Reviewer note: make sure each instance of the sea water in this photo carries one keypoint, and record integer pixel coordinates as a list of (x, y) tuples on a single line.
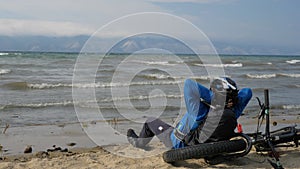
[(36, 88)]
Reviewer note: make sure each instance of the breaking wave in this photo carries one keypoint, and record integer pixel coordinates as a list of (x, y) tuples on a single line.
[(221, 65), (139, 98), (268, 76), (4, 71), (289, 75), (262, 76), (25, 85), (292, 61), (38, 105), (291, 107), (89, 104), (4, 54), (164, 76)]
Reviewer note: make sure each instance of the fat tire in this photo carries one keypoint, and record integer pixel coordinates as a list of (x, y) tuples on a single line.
[(204, 150)]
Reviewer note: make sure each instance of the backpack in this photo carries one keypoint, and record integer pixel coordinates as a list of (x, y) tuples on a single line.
[(223, 131)]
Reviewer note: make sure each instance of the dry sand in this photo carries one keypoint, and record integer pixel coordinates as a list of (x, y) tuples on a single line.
[(99, 157)]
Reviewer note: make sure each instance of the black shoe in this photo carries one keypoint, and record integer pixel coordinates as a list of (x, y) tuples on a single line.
[(132, 137)]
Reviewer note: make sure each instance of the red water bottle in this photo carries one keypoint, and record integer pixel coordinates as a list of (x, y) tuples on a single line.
[(239, 128)]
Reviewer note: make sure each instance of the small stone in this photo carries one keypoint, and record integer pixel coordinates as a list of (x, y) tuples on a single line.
[(71, 144), (42, 154), (28, 149)]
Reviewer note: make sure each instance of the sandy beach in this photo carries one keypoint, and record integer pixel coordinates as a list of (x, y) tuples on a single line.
[(83, 153), (98, 157)]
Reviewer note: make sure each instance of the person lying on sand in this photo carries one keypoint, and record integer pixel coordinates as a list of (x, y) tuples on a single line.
[(222, 104)]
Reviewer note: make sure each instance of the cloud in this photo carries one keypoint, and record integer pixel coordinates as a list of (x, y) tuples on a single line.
[(64, 18), (17, 27), (186, 1)]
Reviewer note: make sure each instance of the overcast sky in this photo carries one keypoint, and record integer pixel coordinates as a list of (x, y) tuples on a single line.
[(273, 23)]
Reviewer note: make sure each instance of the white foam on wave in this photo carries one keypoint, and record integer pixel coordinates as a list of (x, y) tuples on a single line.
[(100, 85), (86, 103), (221, 65), (261, 76), (4, 54), (141, 97), (163, 63), (201, 77), (159, 76), (291, 106), (4, 71), (40, 105), (290, 75), (292, 61), (163, 76), (47, 85)]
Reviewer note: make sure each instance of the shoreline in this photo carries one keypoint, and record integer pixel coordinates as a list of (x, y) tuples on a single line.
[(43, 137)]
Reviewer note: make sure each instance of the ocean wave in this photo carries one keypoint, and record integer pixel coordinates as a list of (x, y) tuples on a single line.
[(291, 107), (25, 85), (164, 76), (17, 85), (38, 105), (261, 76), (162, 63), (292, 61), (142, 97), (4, 54), (289, 75), (157, 76), (10, 53), (122, 84), (4, 71), (86, 104), (268, 76), (47, 85), (256, 64), (221, 65)]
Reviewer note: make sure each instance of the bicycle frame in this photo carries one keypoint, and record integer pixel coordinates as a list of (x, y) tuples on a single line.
[(269, 140)]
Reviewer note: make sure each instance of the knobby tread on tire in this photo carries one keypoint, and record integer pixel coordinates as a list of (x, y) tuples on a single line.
[(204, 150)]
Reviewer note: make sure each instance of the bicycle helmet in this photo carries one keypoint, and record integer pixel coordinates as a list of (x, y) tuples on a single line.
[(225, 87)]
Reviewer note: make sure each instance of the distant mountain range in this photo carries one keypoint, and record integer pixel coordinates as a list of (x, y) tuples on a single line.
[(129, 45), (42, 43)]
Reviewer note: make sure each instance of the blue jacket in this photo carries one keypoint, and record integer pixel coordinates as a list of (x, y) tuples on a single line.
[(197, 111)]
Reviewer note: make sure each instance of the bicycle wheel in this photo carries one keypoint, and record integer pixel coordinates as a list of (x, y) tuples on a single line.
[(204, 150)]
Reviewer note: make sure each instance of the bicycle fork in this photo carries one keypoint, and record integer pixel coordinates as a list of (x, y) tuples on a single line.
[(276, 164)]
